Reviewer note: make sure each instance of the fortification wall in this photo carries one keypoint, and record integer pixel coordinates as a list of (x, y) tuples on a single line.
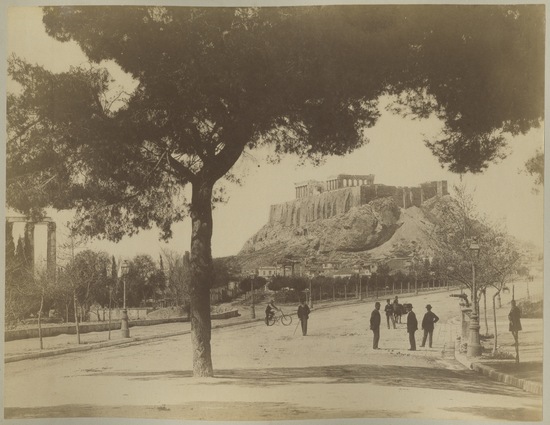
[(311, 208), (327, 204)]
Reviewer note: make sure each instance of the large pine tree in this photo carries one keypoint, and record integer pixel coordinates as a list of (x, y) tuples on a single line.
[(213, 82)]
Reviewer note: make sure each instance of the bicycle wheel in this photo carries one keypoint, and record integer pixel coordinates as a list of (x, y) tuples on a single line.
[(286, 320), (270, 321)]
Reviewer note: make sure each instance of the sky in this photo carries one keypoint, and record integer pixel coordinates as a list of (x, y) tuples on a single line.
[(396, 155)]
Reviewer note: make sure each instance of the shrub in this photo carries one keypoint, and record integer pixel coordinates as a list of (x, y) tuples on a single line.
[(287, 296), (531, 310), (500, 355)]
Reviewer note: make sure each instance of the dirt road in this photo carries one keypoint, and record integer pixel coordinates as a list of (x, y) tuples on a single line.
[(272, 373)]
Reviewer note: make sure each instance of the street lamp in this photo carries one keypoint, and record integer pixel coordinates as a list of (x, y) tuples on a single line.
[(368, 274), (474, 346), (124, 329), (110, 294), (252, 281)]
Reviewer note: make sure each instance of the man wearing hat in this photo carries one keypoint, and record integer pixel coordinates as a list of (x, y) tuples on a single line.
[(375, 325), (412, 326), (428, 325)]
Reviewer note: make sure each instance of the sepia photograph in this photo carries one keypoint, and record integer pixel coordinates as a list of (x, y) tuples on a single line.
[(264, 212)]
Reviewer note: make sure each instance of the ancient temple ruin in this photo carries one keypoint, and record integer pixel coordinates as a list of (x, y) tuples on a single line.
[(319, 200), (29, 238)]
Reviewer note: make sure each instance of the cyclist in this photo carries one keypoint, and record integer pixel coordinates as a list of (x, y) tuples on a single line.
[(270, 311)]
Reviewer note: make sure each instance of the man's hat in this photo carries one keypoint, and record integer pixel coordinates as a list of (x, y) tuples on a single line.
[(429, 307), (409, 306)]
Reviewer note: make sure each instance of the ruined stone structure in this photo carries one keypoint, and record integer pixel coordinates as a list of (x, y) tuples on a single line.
[(29, 236), (314, 187), (320, 200)]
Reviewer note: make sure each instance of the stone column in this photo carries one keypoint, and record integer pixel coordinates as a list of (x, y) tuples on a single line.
[(9, 237), (29, 249), (51, 257)]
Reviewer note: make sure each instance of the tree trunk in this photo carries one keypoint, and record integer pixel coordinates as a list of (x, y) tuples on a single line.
[(485, 313), (495, 340), (40, 319), (76, 318), (201, 278)]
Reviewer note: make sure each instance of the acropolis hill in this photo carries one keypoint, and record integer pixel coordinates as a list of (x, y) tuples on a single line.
[(319, 200), (345, 214)]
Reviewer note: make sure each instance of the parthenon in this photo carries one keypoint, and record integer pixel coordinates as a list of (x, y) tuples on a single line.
[(340, 181), (320, 200)]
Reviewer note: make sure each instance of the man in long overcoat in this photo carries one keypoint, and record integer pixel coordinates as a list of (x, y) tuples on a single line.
[(303, 315), (515, 325), (412, 326), (375, 325), (428, 322)]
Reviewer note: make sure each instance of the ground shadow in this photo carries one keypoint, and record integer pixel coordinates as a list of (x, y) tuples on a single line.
[(386, 375)]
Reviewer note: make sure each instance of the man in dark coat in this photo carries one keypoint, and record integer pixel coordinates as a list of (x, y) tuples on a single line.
[(428, 322), (515, 325), (375, 325), (389, 313), (412, 326), (303, 315)]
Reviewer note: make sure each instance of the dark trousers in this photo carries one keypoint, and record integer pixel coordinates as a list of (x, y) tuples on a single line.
[(412, 341), (427, 333), (304, 326), (375, 338)]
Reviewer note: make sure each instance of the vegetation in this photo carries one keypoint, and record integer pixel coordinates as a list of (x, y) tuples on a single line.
[(214, 82), (493, 263)]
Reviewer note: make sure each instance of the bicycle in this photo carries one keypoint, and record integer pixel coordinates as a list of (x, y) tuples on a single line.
[(285, 319)]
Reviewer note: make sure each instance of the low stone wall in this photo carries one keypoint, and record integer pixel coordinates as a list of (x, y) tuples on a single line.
[(13, 335), (134, 313), (225, 315)]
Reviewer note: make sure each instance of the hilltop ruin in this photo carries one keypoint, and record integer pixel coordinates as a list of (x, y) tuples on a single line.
[(316, 200)]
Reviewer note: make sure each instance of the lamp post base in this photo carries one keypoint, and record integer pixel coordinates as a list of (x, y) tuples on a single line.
[(474, 346), (124, 330)]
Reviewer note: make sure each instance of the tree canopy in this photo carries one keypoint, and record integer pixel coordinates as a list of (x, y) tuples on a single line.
[(212, 82)]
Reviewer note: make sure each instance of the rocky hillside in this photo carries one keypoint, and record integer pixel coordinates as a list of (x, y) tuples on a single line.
[(379, 229)]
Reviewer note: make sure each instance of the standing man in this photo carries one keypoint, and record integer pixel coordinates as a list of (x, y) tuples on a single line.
[(303, 315), (375, 325), (428, 323), (515, 325), (389, 313), (412, 326)]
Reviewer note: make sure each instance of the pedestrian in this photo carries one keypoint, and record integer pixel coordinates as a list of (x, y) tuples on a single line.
[(389, 313), (303, 315), (412, 326), (515, 325), (375, 320), (428, 322), (270, 310)]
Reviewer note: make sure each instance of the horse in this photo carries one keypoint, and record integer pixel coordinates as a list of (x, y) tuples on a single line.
[(398, 311)]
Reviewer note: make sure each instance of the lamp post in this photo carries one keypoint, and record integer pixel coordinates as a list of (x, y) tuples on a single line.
[(474, 346), (110, 292), (124, 329), (368, 274), (252, 280), (310, 293), (360, 286)]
